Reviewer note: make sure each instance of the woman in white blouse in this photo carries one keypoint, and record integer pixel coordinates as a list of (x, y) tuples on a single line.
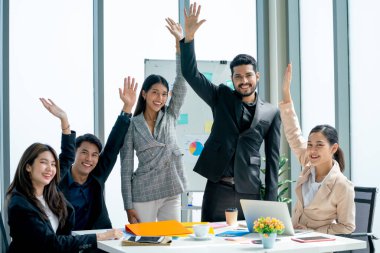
[(325, 197)]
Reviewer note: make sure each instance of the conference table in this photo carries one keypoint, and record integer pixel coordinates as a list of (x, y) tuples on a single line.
[(244, 244)]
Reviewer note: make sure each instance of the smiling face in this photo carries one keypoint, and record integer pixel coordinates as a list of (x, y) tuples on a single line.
[(320, 152), (245, 80), (86, 158), (155, 97), (42, 171)]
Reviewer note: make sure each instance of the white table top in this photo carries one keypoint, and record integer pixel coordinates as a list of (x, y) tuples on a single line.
[(221, 245)]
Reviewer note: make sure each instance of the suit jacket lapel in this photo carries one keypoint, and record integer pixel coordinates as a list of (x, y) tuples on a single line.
[(303, 178), (257, 116), (238, 109), (326, 187), (142, 127)]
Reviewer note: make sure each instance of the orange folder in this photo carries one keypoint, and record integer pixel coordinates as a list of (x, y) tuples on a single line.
[(159, 228)]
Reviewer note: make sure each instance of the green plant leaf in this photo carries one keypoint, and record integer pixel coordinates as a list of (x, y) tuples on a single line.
[(286, 181), (283, 160), (282, 170), (283, 191)]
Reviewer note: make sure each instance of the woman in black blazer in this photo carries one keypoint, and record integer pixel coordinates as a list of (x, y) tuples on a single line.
[(39, 217)]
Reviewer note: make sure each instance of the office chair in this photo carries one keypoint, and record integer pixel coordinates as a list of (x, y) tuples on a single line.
[(365, 198), (4, 244)]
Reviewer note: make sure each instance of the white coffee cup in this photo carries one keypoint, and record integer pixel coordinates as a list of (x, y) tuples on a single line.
[(201, 230)]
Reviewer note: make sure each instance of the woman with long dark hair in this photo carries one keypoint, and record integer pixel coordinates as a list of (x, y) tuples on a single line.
[(39, 217), (152, 192), (325, 197)]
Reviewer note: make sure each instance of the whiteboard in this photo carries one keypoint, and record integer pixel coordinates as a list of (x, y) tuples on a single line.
[(195, 121)]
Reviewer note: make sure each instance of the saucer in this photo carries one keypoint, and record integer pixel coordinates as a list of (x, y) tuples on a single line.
[(208, 237)]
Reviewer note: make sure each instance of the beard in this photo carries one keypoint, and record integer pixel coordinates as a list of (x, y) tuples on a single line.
[(247, 93)]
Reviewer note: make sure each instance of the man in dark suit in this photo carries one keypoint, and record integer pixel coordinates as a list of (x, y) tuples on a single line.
[(231, 159)]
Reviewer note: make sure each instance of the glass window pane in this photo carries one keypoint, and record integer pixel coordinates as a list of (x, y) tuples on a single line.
[(364, 22), (317, 64), (50, 55), (230, 29)]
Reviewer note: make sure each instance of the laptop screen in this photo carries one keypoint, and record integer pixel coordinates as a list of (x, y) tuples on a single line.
[(254, 209)]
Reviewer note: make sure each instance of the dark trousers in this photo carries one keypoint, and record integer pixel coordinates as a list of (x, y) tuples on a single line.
[(220, 196)]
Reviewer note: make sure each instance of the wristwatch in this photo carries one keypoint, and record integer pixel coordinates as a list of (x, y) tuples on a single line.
[(123, 113)]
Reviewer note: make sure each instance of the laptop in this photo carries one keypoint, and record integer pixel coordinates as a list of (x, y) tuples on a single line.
[(254, 209)]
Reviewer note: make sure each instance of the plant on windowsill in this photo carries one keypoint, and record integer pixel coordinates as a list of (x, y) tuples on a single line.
[(283, 185)]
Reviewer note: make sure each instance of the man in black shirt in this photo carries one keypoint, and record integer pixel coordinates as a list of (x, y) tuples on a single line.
[(85, 166), (231, 159)]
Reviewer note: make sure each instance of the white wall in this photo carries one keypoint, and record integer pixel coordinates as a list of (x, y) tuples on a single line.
[(365, 89)]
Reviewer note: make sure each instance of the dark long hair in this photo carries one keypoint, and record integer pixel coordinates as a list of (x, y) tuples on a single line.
[(332, 137), (23, 183), (147, 85)]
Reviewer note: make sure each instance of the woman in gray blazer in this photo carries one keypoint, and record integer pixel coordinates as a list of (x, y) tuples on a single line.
[(152, 192)]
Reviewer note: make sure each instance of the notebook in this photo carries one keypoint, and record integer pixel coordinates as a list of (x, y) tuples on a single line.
[(254, 209)]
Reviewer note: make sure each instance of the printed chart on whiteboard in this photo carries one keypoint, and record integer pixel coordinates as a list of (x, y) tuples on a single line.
[(195, 121)]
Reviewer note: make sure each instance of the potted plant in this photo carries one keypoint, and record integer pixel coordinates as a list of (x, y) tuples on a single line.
[(283, 185), (268, 228)]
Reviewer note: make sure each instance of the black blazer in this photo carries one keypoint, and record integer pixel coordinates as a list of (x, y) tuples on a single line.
[(225, 138), (99, 218), (31, 233)]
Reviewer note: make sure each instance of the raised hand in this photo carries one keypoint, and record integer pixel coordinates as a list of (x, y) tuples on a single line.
[(286, 95), (128, 93), (53, 108), (191, 21), (57, 112), (174, 28)]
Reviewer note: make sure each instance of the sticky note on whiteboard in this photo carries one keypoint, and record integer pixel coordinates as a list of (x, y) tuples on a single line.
[(183, 119), (208, 126), (208, 75)]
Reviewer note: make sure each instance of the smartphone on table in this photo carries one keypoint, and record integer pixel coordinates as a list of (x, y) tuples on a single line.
[(313, 239), (146, 239)]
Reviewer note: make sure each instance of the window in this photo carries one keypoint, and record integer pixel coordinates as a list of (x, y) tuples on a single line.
[(50, 55), (317, 64)]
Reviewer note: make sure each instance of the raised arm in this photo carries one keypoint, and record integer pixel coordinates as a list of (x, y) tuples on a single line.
[(115, 139), (176, 30), (205, 89), (191, 21), (57, 112), (286, 95), (179, 87), (292, 128), (67, 155), (128, 94)]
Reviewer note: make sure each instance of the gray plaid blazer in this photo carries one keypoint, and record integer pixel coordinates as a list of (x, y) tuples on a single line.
[(160, 167)]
